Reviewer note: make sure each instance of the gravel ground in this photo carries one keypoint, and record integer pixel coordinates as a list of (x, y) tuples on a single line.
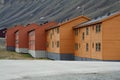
[(87, 76), (58, 70)]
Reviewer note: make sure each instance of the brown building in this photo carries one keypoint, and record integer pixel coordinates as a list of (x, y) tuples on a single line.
[(60, 39), (10, 37), (98, 39), (37, 40), (22, 38)]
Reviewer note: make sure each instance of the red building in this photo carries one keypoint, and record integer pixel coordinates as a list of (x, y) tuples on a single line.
[(2, 32), (10, 37), (37, 40), (22, 38)]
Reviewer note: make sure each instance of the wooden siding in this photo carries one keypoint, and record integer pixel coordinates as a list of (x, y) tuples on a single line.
[(111, 39), (67, 35), (10, 35)]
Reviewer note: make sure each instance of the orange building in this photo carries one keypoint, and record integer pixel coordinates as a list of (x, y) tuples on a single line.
[(98, 39), (10, 37), (37, 40), (60, 39), (22, 38)]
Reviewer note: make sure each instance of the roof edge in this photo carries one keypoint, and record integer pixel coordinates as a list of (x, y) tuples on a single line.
[(63, 23), (100, 21)]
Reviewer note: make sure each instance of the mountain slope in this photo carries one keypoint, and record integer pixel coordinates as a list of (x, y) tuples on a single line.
[(14, 12)]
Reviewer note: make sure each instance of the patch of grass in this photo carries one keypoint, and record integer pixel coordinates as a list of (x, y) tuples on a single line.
[(15, 56)]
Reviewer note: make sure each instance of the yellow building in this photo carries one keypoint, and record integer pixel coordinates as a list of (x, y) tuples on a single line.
[(98, 39), (60, 39)]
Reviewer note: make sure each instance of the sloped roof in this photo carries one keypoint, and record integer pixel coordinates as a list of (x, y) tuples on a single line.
[(98, 20), (67, 22)]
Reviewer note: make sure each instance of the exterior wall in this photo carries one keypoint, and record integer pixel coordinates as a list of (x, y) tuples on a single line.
[(35, 50), (56, 56), (21, 50), (52, 49), (41, 36), (111, 39), (40, 39), (52, 38), (38, 53), (32, 40), (24, 38), (10, 37), (10, 40), (81, 52), (92, 38), (37, 41), (16, 39), (96, 37), (65, 38)]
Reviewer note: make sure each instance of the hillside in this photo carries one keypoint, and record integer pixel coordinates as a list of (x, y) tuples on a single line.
[(14, 12)]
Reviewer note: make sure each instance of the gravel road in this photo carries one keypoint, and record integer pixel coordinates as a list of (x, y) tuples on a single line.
[(77, 76), (58, 70)]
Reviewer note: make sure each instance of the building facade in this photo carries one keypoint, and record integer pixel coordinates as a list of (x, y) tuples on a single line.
[(60, 39), (10, 37), (37, 40), (98, 39), (22, 38)]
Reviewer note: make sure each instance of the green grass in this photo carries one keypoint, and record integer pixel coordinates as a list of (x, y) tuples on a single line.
[(15, 56)]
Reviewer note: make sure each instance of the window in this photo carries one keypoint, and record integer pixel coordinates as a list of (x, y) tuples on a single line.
[(98, 47), (93, 27), (47, 44), (92, 45), (52, 44), (58, 44), (52, 31), (83, 36), (57, 30), (51, 36), (98, 27), (76, 32), (79, 45), (79, 30), (76, 46), (86, 46), (87, 31)]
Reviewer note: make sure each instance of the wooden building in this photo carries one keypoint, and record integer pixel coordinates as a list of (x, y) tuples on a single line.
[(60, 39), (37, 40), (10, 37), (98, 39), (22, 38)]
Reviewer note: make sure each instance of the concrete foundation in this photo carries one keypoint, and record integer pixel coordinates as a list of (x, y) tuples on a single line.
[(83, 59), (21, 50), (91, 59), (58, 56), (10, 48), (38, 54)]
